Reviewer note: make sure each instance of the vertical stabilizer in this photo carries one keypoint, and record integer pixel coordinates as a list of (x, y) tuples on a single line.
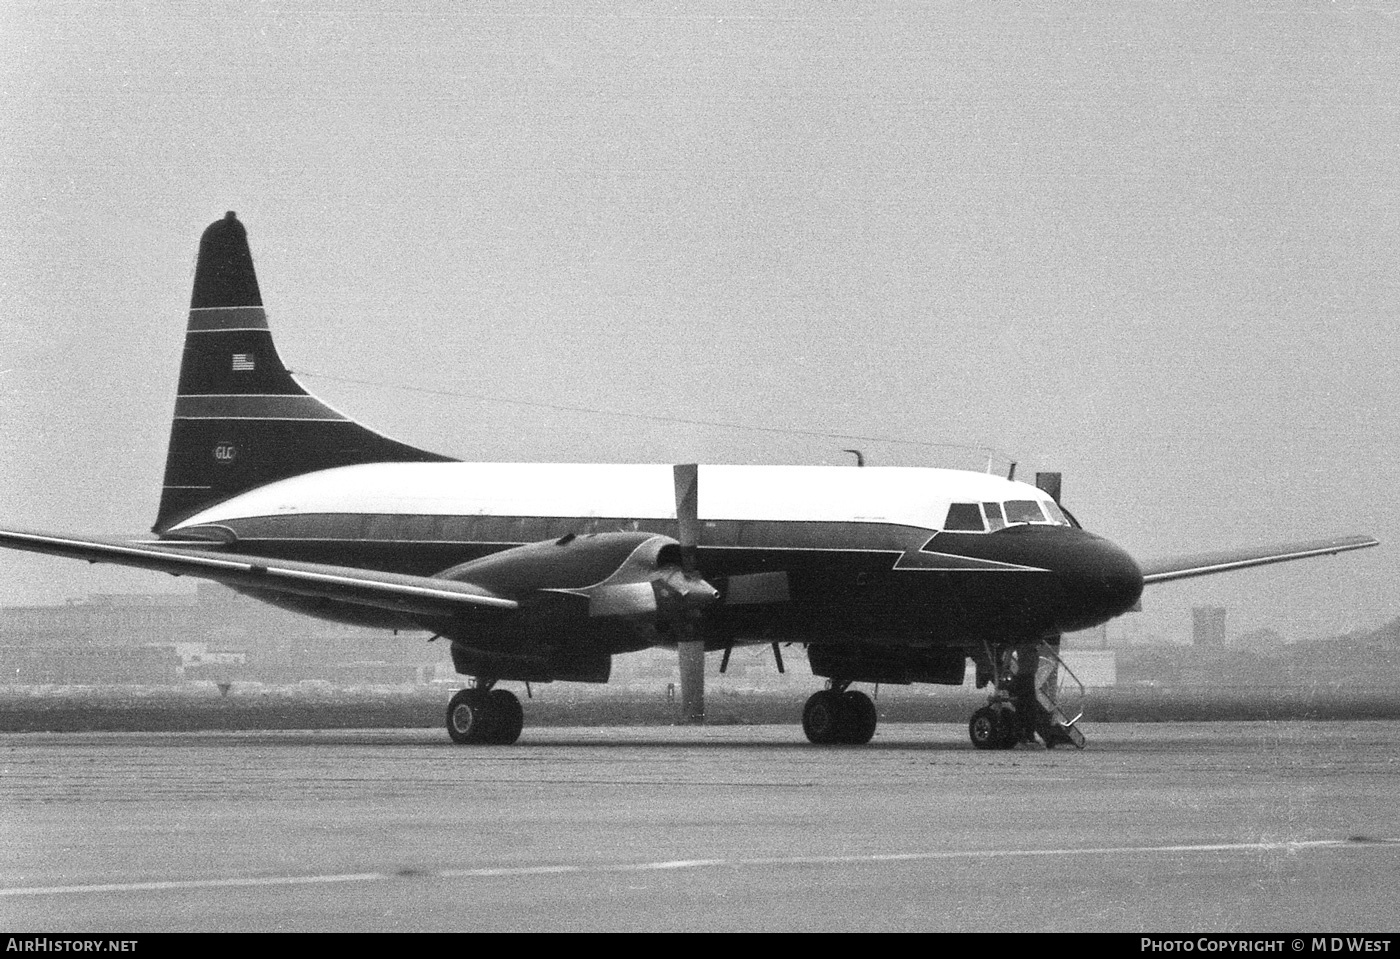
[(241, 420)]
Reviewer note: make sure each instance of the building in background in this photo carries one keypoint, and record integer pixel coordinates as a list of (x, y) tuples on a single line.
[(213, 634)]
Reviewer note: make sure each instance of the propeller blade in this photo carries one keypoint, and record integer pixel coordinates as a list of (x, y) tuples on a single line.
[(691, 657), (688, 512), (690, 644)]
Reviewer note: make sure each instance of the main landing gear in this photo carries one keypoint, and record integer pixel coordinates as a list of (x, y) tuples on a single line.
[(1024, 702), (483, 715), (839, 716)]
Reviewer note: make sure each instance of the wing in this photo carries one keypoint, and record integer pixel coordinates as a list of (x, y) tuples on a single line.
[(422, 595), (1204, 564)]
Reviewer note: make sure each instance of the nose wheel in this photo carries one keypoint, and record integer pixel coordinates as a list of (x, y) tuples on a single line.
[(1027, 681), (994, 728)]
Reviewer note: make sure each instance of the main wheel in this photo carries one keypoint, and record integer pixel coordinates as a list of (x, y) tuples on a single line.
[(821, 718), (504, 717), (467, 717), (858, 719)]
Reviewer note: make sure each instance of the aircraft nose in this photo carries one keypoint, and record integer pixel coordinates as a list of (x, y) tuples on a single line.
[(1100, 581)]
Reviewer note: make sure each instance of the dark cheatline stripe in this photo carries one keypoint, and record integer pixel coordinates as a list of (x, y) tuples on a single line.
[(236, 406), (217, 319)]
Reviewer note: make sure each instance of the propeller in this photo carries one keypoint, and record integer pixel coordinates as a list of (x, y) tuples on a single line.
[(690, 643), (668, 584)]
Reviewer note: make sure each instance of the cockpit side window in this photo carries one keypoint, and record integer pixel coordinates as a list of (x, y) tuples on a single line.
[(964, 517), (1056, 514), (1024, 511), (995, 520)]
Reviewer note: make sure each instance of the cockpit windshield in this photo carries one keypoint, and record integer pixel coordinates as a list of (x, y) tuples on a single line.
[(995, 519), (1024, 511), (964, 518), (990, 517)]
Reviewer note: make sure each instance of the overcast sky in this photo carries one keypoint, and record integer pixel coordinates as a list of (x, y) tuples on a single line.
[(1150, 245)]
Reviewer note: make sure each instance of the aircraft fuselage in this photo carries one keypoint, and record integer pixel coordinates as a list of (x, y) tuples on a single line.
[(858, 554)]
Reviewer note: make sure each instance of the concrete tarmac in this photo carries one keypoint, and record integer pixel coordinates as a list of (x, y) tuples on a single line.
[(1259, 827)]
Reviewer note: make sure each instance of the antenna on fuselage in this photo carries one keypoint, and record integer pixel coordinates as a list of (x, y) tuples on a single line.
[(860, 457), (1011, 473)]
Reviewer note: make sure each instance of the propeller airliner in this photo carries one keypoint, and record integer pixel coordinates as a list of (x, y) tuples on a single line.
[(544, 572)]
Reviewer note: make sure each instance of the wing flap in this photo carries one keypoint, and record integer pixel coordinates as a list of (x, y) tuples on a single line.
[(1206, 564), (422, 595)]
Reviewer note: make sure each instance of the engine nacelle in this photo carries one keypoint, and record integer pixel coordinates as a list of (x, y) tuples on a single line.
[(622, 574), (564, 665)]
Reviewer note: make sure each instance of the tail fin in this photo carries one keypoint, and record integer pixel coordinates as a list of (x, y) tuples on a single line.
[(241, 420)]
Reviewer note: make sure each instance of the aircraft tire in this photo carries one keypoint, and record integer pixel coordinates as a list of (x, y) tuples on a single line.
[(858, 719), (823, 718), (504, 717), (468, 717), (987, 730)]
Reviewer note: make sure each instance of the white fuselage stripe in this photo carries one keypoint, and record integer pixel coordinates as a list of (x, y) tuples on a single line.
[(890, 496)]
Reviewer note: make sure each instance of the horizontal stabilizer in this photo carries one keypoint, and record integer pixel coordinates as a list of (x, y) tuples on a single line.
[(1205, 564), (418, 595)]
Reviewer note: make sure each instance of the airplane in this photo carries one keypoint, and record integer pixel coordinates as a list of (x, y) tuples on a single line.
[(544, 572)]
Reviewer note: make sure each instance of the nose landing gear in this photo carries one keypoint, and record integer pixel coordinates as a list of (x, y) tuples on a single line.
[(994, 727), (1028, 680)]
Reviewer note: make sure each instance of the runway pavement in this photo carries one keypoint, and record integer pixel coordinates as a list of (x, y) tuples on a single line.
[(1174, 827)]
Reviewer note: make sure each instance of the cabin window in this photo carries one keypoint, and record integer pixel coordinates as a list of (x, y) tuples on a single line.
[(964, 517), (1024, 511), (995, 520)]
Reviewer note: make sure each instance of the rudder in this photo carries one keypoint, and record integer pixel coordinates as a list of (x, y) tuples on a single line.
[(241, 419)]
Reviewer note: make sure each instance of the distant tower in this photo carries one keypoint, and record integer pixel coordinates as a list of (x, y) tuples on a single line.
[(1209, 626)]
